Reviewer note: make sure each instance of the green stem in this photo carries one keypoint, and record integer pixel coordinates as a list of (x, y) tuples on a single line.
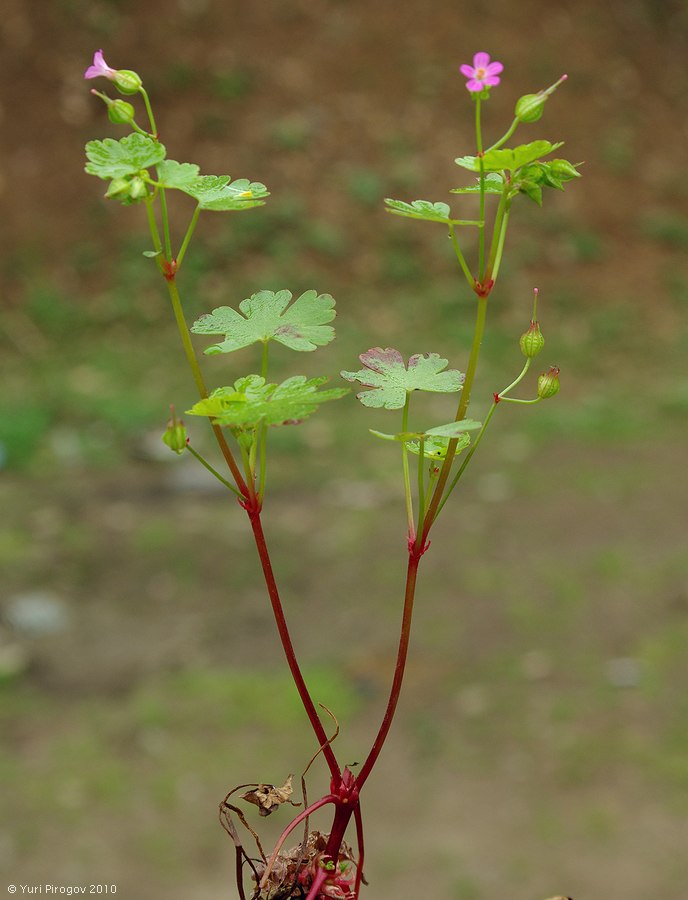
[(461, 258), (263, 431), (200, 383), (187, 236), (505, 137), (165, 222), (432, 480), (518, 380), (516, 400), (497, 232), (186, 337), (500, 245), (460, 414), (467, 458), (152, 224), (149, 110), (248, 471), (212, 471), (421, 486), (481, 166), (405, 465), (474, 446)]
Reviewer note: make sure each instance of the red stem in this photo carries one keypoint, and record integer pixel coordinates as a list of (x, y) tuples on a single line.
[(278, 612), (411, 575), (361, 850), (329, 798), (317, 884)]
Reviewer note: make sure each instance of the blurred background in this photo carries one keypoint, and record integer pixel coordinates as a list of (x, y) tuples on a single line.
[(542, 741)]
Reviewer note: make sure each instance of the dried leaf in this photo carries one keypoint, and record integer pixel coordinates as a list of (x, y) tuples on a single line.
[(267, 797)]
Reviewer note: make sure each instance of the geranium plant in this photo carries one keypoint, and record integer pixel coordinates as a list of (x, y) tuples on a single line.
[(242, 413)]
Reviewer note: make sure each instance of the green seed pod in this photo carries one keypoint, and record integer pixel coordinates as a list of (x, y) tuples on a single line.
[(120, 112), (175, 436), (127, 82), (548, 383), (529, 107), (532, 341)]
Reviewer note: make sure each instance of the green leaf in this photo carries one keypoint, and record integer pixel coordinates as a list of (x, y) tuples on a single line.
[(251, 401), (436, 447), (499, 160), (426, 210), (435, 440), (386, 372), (451, 430), (213, 192), (532, 190), (268, 316), (173, 174), (128, 156), (494, 184)]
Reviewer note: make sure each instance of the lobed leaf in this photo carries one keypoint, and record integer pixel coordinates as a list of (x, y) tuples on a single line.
[(494, 184), (426, 210), (251, 402), (436, 447), (435, 440), (386, 372), (268, 316), (213, 192), (128, 156), (173, 174), (511, 159)]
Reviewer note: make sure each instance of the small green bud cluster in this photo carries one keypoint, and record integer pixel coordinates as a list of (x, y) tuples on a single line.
[(538, 175), (127, 190)]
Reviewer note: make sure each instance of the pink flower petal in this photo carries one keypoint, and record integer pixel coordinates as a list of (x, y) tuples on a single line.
[(474, 85), (481, 60), (467, 70), (99, 67), (494, 68), (491, 80)]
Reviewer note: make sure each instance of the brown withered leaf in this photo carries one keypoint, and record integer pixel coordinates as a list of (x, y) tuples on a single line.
[(267, 797)]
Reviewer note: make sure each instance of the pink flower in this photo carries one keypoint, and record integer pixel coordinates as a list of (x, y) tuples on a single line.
[(483, 73), (100, 67)]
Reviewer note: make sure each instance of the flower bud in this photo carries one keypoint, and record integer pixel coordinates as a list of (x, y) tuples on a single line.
[(175, 435), (126, 81), (532, 341), (137, 188), (563, 169), (120, 112), (548, 383), (118, 189)]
